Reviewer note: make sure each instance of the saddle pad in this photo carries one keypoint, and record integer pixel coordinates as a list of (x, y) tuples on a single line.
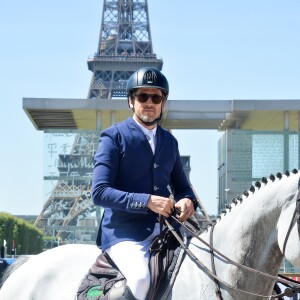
[(104, 281)]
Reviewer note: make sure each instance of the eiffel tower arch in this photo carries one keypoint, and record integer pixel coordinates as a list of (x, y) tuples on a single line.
[(68, 211), (125, 45)]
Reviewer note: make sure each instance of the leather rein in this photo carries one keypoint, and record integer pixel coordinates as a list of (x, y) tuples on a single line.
[(292, 289), (295, 219)]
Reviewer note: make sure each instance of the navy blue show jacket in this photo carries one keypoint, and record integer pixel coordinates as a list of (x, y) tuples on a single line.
[(126, 173)]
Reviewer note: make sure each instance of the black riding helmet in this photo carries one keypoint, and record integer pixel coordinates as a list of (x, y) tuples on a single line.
[(147, 78)]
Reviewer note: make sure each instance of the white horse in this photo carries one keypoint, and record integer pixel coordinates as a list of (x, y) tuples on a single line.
[(252, 232)]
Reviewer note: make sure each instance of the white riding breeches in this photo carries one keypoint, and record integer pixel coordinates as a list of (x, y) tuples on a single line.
[(132, 259)]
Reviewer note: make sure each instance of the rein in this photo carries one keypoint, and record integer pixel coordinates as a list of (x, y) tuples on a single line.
[(288, 291), (295, 218), (212, 257)]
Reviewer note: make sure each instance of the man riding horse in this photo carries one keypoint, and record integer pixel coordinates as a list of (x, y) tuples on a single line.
[(137, 166)]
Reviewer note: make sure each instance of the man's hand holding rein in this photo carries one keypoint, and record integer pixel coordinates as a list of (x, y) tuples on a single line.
[(164, 206), (186, 208), (161, 205)]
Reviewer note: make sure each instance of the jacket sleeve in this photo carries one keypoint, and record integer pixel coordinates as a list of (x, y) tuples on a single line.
[(104, 191)]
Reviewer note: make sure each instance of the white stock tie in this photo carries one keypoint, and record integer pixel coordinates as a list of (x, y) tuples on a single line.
[(150, 138)]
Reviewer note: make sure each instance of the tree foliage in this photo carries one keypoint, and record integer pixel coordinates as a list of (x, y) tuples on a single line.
[(27, 238)]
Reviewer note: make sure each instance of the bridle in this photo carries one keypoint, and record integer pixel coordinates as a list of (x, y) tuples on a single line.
[(289, 291), (298, 214), (292, 287), (295, 219)]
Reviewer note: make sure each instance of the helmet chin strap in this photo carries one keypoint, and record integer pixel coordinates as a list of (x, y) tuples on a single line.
[(155, 121)]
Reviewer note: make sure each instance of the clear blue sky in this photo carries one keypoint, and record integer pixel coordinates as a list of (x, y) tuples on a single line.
[(212, 50)]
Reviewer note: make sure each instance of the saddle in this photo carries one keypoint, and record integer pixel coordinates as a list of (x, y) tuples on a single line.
[(104, 281)]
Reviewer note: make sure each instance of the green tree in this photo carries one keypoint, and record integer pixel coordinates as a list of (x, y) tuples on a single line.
[(27, 238)]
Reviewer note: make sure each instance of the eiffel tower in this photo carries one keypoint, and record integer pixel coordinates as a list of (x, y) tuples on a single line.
[(125, 45)]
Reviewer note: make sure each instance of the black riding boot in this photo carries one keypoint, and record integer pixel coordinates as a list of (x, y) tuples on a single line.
[(128, 294)]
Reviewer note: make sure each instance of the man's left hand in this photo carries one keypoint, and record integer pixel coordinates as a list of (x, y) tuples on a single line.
[(186, 208)]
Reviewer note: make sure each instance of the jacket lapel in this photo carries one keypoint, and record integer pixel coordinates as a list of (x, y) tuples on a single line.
[(159, 140), (138, 133)]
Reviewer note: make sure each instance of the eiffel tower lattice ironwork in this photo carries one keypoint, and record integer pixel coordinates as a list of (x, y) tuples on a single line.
[(125, 45)]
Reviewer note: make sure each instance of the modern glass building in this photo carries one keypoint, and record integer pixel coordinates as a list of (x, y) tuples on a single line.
[(248, 153), (245, 156)]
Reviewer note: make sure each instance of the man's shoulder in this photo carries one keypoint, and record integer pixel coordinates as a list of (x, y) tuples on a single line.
[(117, 126), (125, 125)]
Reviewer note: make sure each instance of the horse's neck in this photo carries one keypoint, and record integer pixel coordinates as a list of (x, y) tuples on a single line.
[(248, 234)]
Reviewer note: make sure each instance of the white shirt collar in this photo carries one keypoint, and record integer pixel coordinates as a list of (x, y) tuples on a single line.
[(146, 130)]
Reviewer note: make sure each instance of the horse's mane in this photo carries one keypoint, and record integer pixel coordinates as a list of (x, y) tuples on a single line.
[(246, 193), (14, 266)]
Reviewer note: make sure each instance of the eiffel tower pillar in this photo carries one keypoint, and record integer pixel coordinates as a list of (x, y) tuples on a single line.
[(67, 214)]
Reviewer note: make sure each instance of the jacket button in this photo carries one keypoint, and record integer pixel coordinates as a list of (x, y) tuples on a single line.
[(156, 188), (155, 166)]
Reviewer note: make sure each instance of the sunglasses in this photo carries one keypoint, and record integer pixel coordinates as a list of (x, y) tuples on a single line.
[(143, 98)]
